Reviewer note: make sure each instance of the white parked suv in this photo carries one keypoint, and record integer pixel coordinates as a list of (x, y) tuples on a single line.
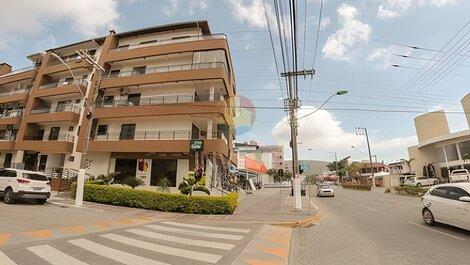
[(459, 175), (447, 203), (18, 184), (421, 181)]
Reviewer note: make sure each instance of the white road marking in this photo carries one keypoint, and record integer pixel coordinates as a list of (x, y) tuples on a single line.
[(114, 254), (314, 206), (195, 233), (54, 256), (5, 260), (182, 240), (225, 229), (367, 207), (436, 231), (188, 254)]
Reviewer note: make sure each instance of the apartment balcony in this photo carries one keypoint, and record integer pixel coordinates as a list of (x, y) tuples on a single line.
[(15, 95), (163, 74), (62, 88), (165, 141), (18, 75), (61, 143), (68, 113), (55, 66), (11, 117), (168, 46), (161, 106)]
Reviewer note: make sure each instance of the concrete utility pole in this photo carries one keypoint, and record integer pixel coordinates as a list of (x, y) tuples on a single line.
[(292, 104), (363, 131)]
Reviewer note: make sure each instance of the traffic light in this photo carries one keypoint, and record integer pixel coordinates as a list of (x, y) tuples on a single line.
[(300, 169)]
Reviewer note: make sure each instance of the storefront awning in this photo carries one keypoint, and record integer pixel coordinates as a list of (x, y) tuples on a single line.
[(253, 165)]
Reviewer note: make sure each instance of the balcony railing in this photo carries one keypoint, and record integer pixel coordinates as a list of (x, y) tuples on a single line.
[(8, 136), (169, 41), (19, 71), (67, 137), (11, 113), (22, 89), (66, 108), (149, 101), (166, 69), (60, 84), (154, 135)]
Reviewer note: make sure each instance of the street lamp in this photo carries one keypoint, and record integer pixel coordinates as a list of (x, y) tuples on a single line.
[(81, 172), (338, 93)]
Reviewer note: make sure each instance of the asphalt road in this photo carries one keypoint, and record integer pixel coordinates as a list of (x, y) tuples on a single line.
[(360, 227)]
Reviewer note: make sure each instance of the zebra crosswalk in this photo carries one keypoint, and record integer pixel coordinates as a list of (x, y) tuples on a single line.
[(163, 243)]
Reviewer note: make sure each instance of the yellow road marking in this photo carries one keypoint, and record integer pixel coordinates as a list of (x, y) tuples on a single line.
[(264, 262), (280, 252), (103, 224), (39, 233), (74, 229), (4, 238)]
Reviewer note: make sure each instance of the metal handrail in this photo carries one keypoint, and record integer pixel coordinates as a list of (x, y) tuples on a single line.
[(22, 90), (66, 108), (169, 41), (169, 68), (154, 135), (18, 71), (11, 113), (68, 137), (149, 101), (83, 82)]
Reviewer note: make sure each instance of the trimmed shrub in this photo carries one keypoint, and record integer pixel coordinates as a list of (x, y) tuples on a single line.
[(387, 190), (410, 190), (153, 200), (356, 186)]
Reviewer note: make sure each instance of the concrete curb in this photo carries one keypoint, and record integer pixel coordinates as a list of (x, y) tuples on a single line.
[(301, 223)]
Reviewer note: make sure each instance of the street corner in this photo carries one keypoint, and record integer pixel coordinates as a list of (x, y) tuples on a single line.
[(269, 246), (310, 221)]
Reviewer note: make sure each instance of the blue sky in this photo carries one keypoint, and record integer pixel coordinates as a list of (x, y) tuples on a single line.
[(356, 46)]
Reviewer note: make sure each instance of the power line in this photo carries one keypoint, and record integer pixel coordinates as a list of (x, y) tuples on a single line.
[(316, 45)]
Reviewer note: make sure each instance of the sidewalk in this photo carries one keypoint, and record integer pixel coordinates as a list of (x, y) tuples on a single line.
[(265, 206)]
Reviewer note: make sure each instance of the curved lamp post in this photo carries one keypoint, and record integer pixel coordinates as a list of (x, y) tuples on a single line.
[(339, 93)]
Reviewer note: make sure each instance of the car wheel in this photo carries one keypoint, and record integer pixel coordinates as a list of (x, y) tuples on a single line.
[(9, 196), (436, 182), (418, 185), (428, 218), (41, 201)]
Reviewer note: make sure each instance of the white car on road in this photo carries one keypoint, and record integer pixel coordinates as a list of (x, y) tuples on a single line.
[(449, 204), (459, 175), (325, 191), (23, 184), (422, 181)]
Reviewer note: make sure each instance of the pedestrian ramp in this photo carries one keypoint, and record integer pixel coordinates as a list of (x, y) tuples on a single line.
[(163, 243)]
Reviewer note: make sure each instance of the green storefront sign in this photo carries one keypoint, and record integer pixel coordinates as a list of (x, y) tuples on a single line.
[(196, 145)]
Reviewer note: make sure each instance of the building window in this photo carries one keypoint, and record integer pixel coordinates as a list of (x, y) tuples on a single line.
[(108, 100), (127, 132), (163, 168), (139, 70), (124, 47), (70, 128), (451, 152), (114, 73), (102, 129)]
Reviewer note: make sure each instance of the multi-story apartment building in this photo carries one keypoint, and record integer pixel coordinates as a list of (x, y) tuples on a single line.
[(163, 105)]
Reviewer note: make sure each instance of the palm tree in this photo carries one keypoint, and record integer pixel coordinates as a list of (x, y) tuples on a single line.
[(408, 163)]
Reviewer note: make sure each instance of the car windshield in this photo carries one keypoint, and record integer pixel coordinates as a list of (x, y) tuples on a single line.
[(325, 187), (33, 176)]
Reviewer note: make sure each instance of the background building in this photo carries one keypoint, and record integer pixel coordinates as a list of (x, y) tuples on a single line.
[(310, 167)]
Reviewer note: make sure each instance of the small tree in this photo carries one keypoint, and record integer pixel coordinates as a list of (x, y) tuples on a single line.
[(353, 170), (342, 165), (189, 185), (164, 184)]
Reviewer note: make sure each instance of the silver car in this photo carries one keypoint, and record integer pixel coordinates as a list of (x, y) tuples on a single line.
[(325, 191), (447, 203)]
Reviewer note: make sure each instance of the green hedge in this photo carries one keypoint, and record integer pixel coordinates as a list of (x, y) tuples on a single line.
[(153, 200), (356, 186), (410, 190)]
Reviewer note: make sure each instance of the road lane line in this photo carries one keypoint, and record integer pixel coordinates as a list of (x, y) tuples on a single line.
[(54, 256), (188, 254), (225, 229), (314, 206), (5, 260), (436, 231), (113, 254), (195, 233), (182, 240), (367, 207)]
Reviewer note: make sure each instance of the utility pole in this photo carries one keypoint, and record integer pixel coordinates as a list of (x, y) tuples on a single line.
[(363, 131), (292, 103), (336, 165)]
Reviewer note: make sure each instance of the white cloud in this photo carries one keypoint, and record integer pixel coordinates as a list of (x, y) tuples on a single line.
[(394, 8), (324, 22), (393, 149), (251, 13), (190, 6), (21, 18), (351, 33)]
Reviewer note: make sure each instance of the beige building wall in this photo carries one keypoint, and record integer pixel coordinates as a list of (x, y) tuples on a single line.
[(466, 107), (431, 125)]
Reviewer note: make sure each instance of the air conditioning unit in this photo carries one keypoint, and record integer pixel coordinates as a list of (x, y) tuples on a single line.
[(203, 133)]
